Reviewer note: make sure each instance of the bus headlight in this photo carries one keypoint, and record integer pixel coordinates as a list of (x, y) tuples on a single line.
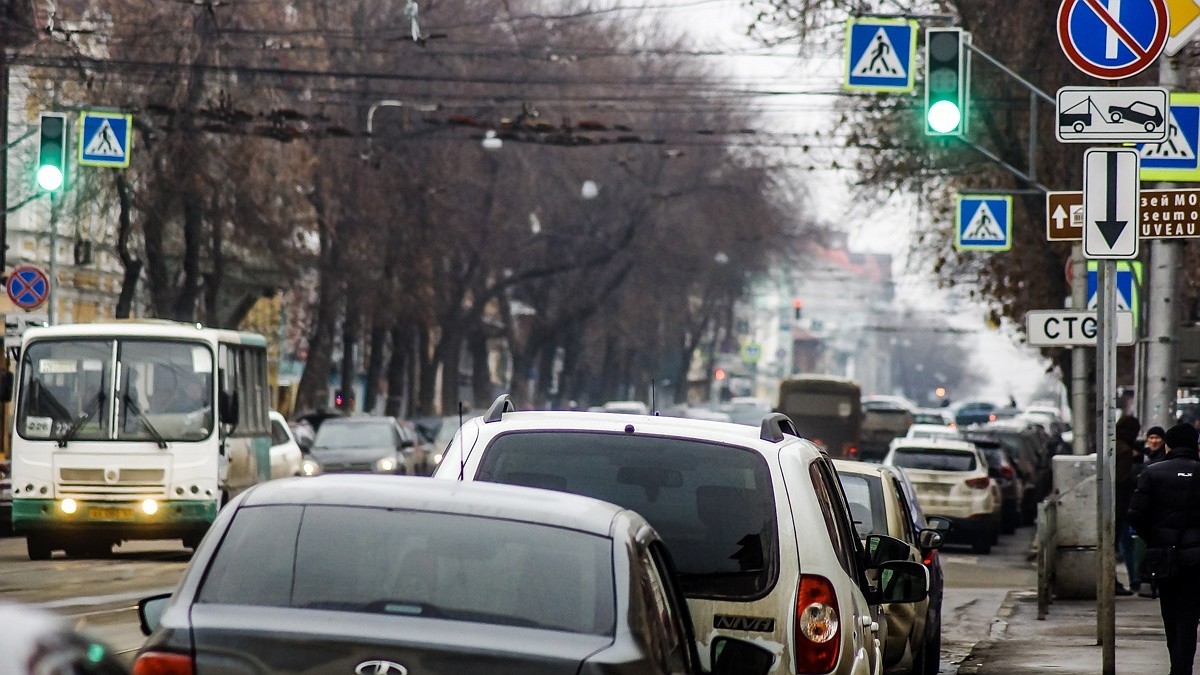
[(386, 465), (310, 468), (68, 506), (149, 507)]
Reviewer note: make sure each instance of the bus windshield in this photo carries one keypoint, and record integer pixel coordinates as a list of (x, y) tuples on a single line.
[(160, 390)]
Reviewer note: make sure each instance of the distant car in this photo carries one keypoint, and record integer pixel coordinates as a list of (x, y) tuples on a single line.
[(884, 419), (754, 517), (882, 503), (363, 444), (932, 431), (1140, 112), (973, 412), (5, 497), (1028, 448), (1008, 479), (35, 642), (695, 412), (627, 407), (941, 416), (952, 481), (286, 456), (746, 410), (362, 574)]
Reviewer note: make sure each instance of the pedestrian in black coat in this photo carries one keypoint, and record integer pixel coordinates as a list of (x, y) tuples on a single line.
[(1165, 511)]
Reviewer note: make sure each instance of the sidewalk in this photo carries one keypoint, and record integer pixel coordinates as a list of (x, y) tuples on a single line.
[(1065, 642)]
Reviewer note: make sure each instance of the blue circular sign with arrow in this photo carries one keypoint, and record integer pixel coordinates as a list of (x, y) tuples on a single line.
[(28, 286)]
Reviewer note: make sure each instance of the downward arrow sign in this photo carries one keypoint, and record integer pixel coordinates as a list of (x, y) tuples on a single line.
[(1110, 227)]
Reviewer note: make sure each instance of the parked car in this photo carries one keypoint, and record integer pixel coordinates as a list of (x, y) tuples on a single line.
[(629, 407), (755, 520), (884, 418), (363, 444), (1008, 479), (951, 479), (883, 504), (36, 642), (746, 409), (5, 497), (932, 431), (286, 456), (438, 432), (459, 580), (1029, 449)]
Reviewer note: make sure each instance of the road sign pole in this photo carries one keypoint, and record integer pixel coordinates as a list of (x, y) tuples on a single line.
[(1163, 313), (1080, 382), (1106, 362), (51, 295)]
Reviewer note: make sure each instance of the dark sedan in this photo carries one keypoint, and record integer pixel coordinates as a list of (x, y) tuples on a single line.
[(367, 574)]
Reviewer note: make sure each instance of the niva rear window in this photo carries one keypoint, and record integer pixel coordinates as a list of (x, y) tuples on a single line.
[(418, 564), (712, 504)]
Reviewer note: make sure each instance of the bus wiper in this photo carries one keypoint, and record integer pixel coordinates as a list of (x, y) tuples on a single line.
[(132, 405), (77, 424)]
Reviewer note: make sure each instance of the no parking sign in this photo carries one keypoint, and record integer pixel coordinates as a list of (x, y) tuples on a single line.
[(1112, 40)]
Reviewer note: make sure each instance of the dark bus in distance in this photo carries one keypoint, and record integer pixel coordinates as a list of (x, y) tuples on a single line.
[(826, 410)]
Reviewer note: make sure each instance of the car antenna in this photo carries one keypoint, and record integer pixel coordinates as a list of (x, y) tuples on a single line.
[(462, 456), (653, 408)]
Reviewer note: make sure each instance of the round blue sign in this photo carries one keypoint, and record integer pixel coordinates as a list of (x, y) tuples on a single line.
[(1112, 39), (28, 286)]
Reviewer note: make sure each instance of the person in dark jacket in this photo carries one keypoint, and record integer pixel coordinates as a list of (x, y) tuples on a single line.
[(1165, 511), (1156, 448)]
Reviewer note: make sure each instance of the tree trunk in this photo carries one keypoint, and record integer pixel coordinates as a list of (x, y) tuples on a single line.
[(374, 366), (427, 377), (314, 382), (131, 264), (212, 282), (398, 367), (350, 343), (481, 374), (449, 355)]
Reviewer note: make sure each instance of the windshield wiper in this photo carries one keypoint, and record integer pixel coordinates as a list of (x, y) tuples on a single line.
[(132, 405), (77, 424)]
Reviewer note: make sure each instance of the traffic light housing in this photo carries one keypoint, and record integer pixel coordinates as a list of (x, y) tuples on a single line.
[(52, 152), (946, 82)]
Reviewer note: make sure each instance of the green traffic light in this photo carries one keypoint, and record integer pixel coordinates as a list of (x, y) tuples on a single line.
[(50, 178), (944, 117)]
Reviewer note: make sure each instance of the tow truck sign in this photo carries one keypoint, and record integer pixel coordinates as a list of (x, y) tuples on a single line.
[(1072, 328), (1108, 115)]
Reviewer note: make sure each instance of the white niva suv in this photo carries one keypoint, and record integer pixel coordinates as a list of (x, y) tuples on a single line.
[(733, 504)]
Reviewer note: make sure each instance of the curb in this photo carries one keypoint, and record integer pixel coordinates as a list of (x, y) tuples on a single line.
[(977, 658)]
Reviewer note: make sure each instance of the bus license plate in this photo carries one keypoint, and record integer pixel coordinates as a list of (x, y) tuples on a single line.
[(109, 512)]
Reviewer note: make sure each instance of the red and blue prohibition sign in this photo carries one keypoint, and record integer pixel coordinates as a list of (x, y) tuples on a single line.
[(1112, 39), (28, 286)]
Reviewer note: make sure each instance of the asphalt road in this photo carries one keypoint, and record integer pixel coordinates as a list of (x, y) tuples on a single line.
[(101, 595)]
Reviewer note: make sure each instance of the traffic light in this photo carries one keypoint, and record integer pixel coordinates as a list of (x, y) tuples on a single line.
[(946, 82), (797, 308), (52, 152)]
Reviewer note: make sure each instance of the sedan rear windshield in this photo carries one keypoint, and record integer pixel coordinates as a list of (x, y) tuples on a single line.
[(412, 563), (934, 459), (713, 505)]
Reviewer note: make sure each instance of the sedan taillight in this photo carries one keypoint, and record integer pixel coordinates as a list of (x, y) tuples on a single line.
[(163, 663), (817, 628), (980, 483)]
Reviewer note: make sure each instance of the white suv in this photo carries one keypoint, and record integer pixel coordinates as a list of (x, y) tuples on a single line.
[(733, 504), (951, 479)]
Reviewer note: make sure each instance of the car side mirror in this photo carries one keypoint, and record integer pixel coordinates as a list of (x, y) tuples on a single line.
[(738, 657), (150, 611), (882, 548), (929, 539), (938, 523), (902, 581)]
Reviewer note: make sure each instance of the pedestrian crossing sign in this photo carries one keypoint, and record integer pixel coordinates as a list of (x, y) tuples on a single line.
[(983, 223), (1178, 157), (104, 139), (1129, 284), (880, 54)]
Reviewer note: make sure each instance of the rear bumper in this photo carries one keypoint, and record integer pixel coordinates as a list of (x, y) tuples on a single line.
[(967, 529), (123, 519)]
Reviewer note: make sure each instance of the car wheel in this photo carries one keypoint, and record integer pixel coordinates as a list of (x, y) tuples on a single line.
[(1010, 519), (931, 661), (1151, 126), (1116, 117), (1079, 127), (38, 547)]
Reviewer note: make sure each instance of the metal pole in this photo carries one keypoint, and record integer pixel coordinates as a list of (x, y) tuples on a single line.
[(52, 294), (1162, 319), (1080, 382), (1106, 557), (4, 162)]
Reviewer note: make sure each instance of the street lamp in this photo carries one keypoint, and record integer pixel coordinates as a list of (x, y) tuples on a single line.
[(389, 103)]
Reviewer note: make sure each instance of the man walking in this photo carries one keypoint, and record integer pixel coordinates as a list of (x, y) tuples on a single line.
[(1165, 511)]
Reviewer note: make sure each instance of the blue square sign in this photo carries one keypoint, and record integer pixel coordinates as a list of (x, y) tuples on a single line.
[(104, 139), (880, 54), (1178, 157), (983, 223)]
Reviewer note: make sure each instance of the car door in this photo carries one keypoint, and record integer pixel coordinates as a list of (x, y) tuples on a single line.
[(866, 623)]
